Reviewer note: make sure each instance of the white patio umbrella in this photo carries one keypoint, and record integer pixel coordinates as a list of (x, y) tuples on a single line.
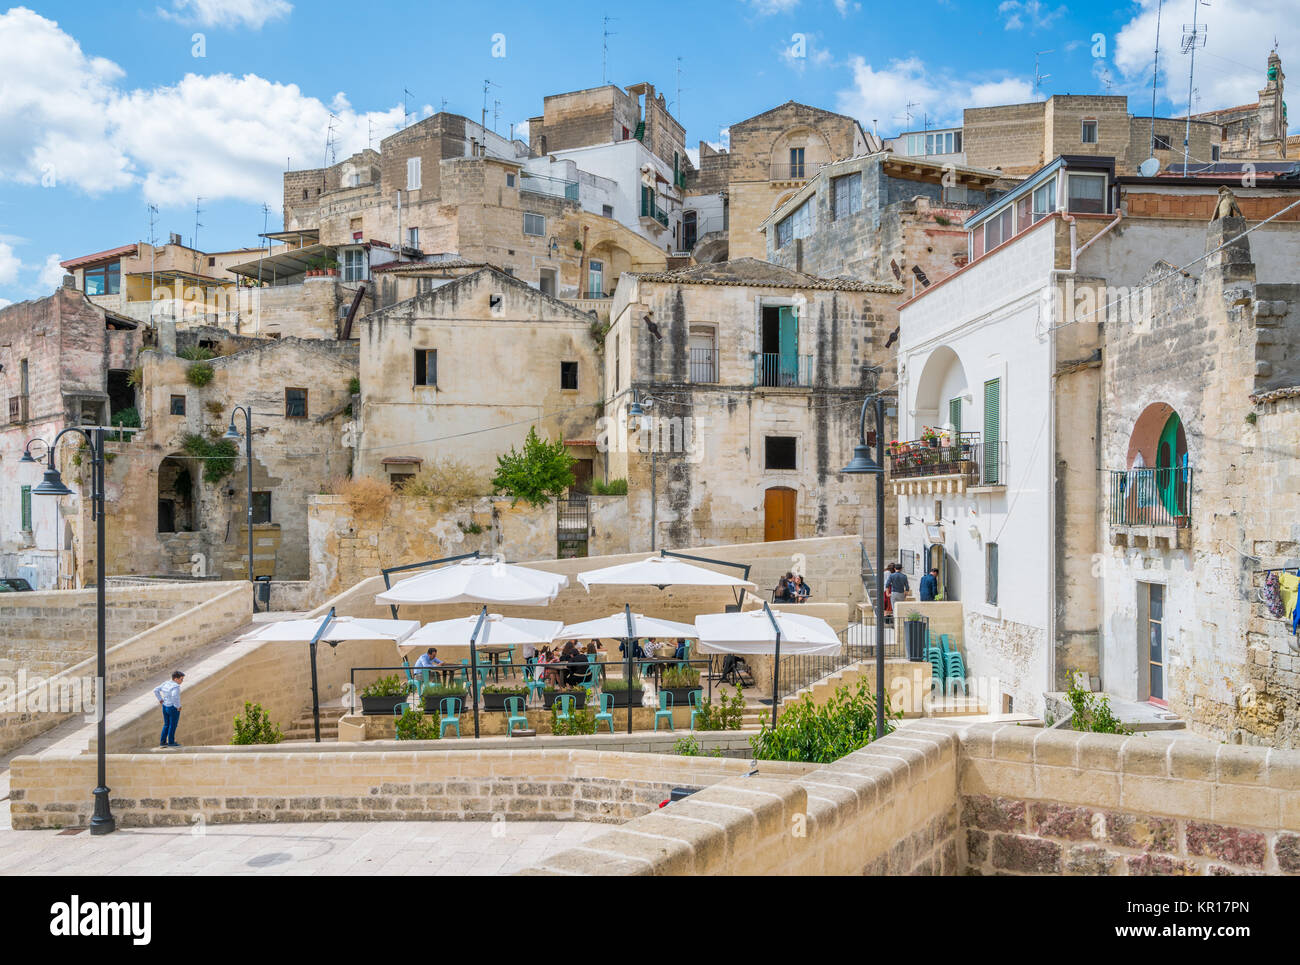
[(332, 630), (767, 631), (615, 625), (485, 580), (477, 580), (659, 571), (496, 630)]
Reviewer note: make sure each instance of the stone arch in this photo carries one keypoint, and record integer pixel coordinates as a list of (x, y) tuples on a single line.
[(1158, 464), (816, 151), (943, 380), (177, 500), (614, 259)]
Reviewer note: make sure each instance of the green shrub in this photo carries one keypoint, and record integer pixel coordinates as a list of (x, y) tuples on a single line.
[(821, 733), (508, 690), (690, 747), (354, 386), (578, 722), (255, 727), (676, 677), (413, 725), (199, 374), (1092, 711), (196, 353), (392, 686), (614, 487), (542, 471), (727, 714), (217, 455), (439, 691), (619, 684), (127, 418)]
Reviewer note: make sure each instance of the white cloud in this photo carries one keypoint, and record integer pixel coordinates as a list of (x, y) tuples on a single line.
[(51, 273), (845, 7), (884, 94), (64, 116), (9, 265), (227, 13), (1229, 68), (1017, 13), (765, 8), (4, 302)]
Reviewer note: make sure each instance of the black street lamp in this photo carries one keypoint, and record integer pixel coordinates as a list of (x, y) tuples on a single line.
[(863, 464), (232, 434), (102, 822)]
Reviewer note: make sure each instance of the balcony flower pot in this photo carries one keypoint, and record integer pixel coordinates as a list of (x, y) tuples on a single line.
[(579, 698)]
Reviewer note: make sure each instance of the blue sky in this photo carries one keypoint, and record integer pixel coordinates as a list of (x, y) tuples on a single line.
[(104, 109)]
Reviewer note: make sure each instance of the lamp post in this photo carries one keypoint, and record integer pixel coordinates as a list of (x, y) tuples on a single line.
[(232, 435), (102, 821), (863, 464)]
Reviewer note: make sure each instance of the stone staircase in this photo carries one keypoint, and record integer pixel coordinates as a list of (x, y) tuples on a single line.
[(302, 728)]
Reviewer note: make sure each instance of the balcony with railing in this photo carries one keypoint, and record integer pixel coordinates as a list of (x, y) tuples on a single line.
[(779, 370), (1150, 507), (796, 170), (703, 365), (945, 463), (17, 409), (547, 185), (651, 211)]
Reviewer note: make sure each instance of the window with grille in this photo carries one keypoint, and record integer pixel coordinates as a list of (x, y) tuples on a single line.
[(569, 376), (261, 507), (178, 405), (295, 403), (1161, 142), (779, 452)]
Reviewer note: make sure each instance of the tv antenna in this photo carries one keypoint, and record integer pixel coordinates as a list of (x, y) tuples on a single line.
[(406, 112), (153, 252), (606, 33), (329, 140), (1155, 76), (1194, 35), (678, 102), (197, 224), (496, 114), (907, 112), (483, 119), (1039, 77)]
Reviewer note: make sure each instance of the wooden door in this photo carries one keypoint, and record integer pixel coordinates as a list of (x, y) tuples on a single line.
[(778, 513)]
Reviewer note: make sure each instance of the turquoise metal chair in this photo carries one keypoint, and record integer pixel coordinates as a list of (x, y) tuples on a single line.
[(515, 714), (665, 708), (695, 696), (449, 708), (506, 666), (398, 711), (564, 704), (536, 686), (606, 714), (464, 672), (592, 679), (686, 656)]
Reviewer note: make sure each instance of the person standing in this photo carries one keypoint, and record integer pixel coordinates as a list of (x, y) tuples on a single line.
[(898, 588), (169, 698), (929, 588)]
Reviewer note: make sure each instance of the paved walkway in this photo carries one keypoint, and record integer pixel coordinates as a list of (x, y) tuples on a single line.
[(335, 848)]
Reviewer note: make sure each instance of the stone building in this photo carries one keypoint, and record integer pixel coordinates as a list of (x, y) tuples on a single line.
[(462, 369), (1199, 452), (1256, 130), (753, 377), (170, 514), (771, 156), (880, 217), (64, 361)]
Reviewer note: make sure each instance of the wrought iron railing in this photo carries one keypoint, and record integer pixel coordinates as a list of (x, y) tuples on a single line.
[(859, 643), (651, 210), (966, 454), (703, 365), (796, 171), (1151, 497), (779, 369)]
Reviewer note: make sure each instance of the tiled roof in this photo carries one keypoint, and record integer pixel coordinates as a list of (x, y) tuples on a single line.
[(755, 273), (98, 256), (415, 267), (1276, 395)]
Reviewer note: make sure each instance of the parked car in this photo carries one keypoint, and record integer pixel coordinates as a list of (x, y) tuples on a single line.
[(14, 585)]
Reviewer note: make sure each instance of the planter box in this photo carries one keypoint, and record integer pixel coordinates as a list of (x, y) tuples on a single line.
[(498, 701), (432, 705), (621, 697), (917, 636), (381, 706), (579, 698), (681, 695)]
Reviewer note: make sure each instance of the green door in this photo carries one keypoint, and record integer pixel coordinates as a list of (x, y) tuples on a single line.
[(788, 341), (1167, 481)]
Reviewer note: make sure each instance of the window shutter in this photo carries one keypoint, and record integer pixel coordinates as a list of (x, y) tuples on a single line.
[(954, 416), (992, 430)]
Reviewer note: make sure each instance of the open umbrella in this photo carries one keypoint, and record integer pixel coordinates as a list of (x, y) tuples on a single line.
[(331, 630), (615, 625), (496, 629), (477, 580), (661, 571), (767, 631)]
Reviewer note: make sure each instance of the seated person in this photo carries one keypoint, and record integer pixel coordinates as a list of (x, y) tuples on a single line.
[(801, 590), (428, 659), (680, 652), (638, 652)]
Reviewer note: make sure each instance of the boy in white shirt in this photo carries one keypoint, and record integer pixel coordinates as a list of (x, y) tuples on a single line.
[(169, 698)]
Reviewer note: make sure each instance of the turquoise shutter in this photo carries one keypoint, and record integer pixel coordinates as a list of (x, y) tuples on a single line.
[(954, 417), (992, 430), (788, 336)]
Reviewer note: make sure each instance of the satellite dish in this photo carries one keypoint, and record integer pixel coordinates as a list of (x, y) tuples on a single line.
[(1150, 167)]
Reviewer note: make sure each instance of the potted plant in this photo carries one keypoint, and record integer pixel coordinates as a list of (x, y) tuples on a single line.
[(680, 681), (384, 694), (495, 696), (929, 437), (434, 694), (550, 693), (917, 633), (624, 695)]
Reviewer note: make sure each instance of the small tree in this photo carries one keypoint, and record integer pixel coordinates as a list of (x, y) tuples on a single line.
[(256, 727), (538, 474)]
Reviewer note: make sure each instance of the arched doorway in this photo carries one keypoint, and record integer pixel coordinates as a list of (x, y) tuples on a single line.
[(779, 506), (175, 496), (1155, 490)]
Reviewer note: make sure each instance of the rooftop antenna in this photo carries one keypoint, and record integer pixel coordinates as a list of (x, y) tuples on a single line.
[(1039, 78), (443, 106), (370, 132), (483, 121), (197, 224), (406, 112), (329, 140), (907, 112), (496, 114), (1194, 35), (678, 102), (1155, 76), (153, 254), (606, 33)]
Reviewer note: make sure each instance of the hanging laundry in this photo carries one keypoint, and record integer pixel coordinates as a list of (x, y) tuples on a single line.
[(1272, 595), (1288, 585)]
